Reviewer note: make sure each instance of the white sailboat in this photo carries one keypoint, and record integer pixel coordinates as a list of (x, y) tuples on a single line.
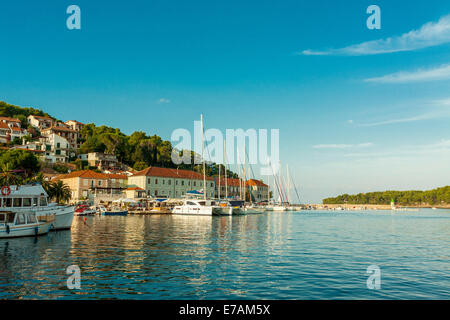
[(32, 197)]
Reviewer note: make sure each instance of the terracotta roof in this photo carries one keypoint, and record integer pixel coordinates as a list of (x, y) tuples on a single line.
[(78, 122), (59, 128), (135, 188), (170, 173), (9, 119), (254, 182), (41, 117), (16, 129), (116, 176), (83, 174), (231, 182)]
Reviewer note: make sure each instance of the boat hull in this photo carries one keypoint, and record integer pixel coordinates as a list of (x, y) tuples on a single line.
[(114, 213), (24, 231)]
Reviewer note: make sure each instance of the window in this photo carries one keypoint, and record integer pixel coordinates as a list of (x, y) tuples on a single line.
[(182, 182), (7, 202), (189, 203), (43, 201), (17, 202), (99, 182), (194, 183), (20, 218), (156, 181), (156, 192), (212, 185), (164, 181), (169, 182), (2, 218), (92, 183), (148, 180), (31, 218), (58, 145), (27, 202), (176, 182)]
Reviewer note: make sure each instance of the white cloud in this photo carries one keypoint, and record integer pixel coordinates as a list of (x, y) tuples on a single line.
[(429, 35), (342, 146), (163, 100), (440, 73), (440, 147)]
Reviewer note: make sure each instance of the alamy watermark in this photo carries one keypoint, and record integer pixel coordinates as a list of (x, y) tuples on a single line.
[(374, 280), (237, 147), (74, 280)]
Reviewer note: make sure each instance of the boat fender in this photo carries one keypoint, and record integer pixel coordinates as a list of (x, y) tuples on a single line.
[(7, 229), (36, 231)]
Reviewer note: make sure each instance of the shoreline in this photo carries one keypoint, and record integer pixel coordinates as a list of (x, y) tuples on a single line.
[(349, 206)]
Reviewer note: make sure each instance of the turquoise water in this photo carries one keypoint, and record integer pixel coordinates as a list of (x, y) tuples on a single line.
[(289, 255)]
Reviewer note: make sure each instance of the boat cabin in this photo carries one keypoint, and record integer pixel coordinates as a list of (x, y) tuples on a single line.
[(17, 218)]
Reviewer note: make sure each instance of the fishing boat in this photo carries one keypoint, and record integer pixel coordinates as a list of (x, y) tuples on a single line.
[(115, 211), (32, 197), (22, 224)]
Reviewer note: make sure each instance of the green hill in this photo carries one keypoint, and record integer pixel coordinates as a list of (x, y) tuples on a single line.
[(438, 196)]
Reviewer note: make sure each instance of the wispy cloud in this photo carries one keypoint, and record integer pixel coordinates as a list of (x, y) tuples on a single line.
[(163, 100), (435, 109), (409, 150), (421, 75), (342, 146), (429, 35)]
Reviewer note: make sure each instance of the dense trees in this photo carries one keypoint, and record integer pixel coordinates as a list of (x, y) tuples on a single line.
[(430, 197), (9, 110), (137, 150)]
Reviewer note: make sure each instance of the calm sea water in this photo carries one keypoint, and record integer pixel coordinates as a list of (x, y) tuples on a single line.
[(290, 255)]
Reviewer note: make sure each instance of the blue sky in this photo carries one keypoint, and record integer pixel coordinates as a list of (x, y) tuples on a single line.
[(356, 112)]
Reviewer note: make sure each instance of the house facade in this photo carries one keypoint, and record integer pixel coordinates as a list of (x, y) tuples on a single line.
[(171, 183), (40, 122), (103, 161), (10, 128), (69, 134), (259, 190), (89, 185)]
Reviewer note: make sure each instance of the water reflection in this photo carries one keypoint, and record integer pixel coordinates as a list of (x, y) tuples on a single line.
[(307, 255)]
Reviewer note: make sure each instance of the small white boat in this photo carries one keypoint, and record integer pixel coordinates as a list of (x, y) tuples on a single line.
[(99, 209), (115, 211), (23, 224), (279, 208), (197, 208)]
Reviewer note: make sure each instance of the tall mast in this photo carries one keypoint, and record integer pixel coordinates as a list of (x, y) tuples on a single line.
[(203, 158), (239, 173), (245, 178), (288, 183), (219, 181), (226, 178)]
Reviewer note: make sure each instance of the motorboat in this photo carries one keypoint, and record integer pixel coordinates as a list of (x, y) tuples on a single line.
[(23, 224), (115, 211), (84, 210), (32, 197), (99, 209), (198, 207)]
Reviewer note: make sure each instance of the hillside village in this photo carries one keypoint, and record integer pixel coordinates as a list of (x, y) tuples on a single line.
[(99, 177)]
